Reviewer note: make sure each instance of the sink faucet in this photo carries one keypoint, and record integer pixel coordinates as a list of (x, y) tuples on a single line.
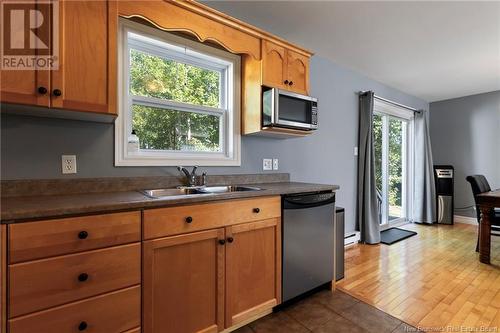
[(191, 177)]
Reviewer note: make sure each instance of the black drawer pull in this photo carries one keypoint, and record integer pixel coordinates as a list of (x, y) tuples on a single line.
[(83, 277), (230, 239), (82, 326), (256, 210), (189, 219), (222, 241), (42, 90), (83, 234), (57, 92)]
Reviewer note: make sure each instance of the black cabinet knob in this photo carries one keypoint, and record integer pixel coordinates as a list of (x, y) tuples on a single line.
[(285, 82), (42, 90), (222, 241), (230, 239), (82, 326), (83, 277), (189, 219), (83, 234), (57, 92), (256, 210), (291, 83)]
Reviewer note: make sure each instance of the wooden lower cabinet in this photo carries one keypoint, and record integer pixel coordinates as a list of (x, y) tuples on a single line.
[(115, 312), (183, 283), (135, 330), (41, 284), (3, 278), (35, 240), (211, 280), (253, 269)]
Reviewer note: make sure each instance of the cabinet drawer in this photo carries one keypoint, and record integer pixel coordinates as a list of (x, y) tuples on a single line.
[(41, 284), (134, 330), (176, 220), (41, 239), (115, 312)]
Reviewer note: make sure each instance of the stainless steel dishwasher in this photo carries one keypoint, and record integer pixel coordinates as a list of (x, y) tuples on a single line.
[(308, 242)]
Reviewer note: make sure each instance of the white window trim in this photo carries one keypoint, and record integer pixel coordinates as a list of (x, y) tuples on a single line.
[(384, 108), (231, 150)]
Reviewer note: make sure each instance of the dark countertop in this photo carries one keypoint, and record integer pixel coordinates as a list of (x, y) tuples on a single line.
[(18, 209)]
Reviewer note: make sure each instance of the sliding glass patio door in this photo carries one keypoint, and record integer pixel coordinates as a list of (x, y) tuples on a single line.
[(393, 146)]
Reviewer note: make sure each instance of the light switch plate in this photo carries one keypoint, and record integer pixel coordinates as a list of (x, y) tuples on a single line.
[(267, 164), (355, 151), (275, 164), (68, 164)]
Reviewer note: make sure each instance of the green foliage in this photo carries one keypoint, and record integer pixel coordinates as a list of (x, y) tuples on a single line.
[(168, 129), (395, 162), (395, 158), (377, 143)]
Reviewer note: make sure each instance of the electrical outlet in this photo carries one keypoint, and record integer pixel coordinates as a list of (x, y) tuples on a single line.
[(267, 164), (275, 164), (68, 163)]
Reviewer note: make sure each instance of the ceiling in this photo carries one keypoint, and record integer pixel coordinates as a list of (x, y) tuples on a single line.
[(432, 50)]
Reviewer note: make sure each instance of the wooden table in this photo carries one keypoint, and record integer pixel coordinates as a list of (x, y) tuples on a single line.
[(487, 202)]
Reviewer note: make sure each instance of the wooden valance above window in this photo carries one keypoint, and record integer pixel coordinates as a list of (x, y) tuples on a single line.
[(204, 23)]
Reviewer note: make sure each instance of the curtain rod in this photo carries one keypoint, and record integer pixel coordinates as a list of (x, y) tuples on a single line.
[(391, 102)]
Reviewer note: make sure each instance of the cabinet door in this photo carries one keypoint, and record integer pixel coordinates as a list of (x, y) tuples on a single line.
[(22, 86), (3, 278), (273, 65), (298, 68), (253, 269), (81, 83), (183, 283)]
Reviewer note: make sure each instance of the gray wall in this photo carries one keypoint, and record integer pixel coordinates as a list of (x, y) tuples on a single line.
[(465, 132), (31, 147)]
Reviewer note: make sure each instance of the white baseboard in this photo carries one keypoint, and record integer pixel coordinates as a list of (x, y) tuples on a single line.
[(351, 238), (464, 219)]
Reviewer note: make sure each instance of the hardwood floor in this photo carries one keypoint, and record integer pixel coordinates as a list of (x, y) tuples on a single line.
[(431, 280)]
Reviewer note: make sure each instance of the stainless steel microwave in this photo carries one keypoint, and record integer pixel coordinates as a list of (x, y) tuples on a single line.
[(281, 108)]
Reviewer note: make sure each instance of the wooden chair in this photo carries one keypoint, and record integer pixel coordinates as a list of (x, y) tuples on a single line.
[(480, 185)]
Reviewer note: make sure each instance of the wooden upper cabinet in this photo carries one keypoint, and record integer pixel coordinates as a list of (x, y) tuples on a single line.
[(253, 269), (284, 68), (26, 86), (81, 83), (274, 68), (86, 77), (183, 283), (298, 72)]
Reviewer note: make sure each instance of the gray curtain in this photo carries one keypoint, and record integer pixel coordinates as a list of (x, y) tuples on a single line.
[(424, 201), (367, 212)]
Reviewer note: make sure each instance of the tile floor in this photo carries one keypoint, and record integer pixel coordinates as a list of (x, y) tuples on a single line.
[(328, 312)]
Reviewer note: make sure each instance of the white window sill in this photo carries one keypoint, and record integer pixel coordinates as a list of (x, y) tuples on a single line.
[(169, 161)]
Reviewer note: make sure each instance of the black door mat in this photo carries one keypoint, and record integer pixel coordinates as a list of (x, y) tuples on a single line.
[(394, 235)]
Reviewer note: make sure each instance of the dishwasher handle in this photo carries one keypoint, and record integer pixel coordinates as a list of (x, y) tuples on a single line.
[(308, 200)]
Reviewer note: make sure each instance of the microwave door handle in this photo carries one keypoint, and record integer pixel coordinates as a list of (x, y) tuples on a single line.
[(276, 103)]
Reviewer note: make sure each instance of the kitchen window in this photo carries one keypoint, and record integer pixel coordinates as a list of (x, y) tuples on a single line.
[(180, 97)]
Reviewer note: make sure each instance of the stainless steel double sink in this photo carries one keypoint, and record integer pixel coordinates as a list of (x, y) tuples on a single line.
[(204, 190)]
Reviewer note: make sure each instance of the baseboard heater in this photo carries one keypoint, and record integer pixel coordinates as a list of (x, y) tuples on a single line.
[(351, 238)]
